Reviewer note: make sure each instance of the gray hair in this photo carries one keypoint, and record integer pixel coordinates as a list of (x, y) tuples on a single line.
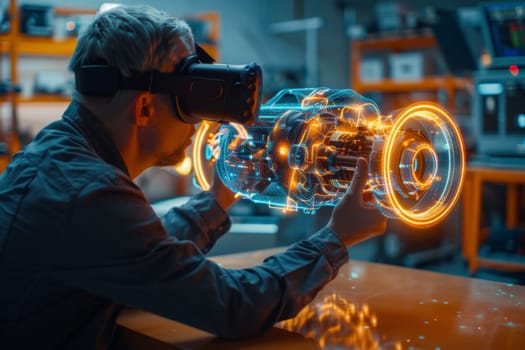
[(133, 38)]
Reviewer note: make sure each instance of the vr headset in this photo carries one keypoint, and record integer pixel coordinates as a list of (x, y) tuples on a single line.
[(200, 89)]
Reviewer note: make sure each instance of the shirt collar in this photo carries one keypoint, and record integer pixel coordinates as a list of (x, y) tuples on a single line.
[(93, 130)]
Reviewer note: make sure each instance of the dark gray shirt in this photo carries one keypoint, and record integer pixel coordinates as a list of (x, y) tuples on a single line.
[(78, 241)]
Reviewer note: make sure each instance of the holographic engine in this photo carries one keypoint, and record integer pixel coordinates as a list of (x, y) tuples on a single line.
[(302, 151)]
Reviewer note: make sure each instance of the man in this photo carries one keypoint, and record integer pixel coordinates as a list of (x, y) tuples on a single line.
[(78, 239)]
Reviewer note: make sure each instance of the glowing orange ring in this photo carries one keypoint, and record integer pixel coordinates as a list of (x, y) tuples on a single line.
[(199, 144), (440, 210)]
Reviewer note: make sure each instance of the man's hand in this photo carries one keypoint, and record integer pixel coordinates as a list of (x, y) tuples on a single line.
[(222, 194), (352, 219)]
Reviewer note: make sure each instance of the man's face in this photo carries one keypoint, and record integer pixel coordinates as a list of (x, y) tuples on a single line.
[(174, 135)]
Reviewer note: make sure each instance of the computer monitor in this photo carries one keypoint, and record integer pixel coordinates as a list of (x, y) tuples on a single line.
[(499, 114), (504, 32), (499, 88)]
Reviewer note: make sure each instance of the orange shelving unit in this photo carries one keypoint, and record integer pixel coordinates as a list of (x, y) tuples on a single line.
[(15, 46), (401, 44), (212, 19)]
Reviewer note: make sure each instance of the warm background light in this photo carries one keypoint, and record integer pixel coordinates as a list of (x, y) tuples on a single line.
[(184, 168)]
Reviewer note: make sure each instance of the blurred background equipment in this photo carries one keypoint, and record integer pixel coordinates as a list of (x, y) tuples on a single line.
[(53, 83), (458, 36), (499, 87), (310, 27), (36, 20)]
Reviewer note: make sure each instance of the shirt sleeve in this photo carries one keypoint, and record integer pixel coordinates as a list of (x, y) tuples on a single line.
[(201, 220), (116, 247)]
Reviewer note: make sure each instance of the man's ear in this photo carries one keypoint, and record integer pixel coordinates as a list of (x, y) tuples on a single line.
[(143, 109)]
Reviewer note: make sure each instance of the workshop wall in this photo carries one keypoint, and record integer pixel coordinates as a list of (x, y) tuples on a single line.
[(245, 36)]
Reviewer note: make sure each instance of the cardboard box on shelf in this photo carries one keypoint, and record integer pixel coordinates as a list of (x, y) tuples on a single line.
[(371, 70), (406, 66)]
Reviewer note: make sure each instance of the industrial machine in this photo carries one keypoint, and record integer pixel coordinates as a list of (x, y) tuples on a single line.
[(498, 108)]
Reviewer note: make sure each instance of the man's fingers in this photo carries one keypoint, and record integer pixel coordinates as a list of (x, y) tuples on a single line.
[(360, 178)]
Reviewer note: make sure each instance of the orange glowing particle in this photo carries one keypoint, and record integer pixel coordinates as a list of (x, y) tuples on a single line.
[(70, 25), (184, 167), (486, 59), (365, 309), (283, 150), (373, 321)]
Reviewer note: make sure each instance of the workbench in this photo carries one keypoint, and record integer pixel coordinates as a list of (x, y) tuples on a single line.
[(367, 306), (473, 233)]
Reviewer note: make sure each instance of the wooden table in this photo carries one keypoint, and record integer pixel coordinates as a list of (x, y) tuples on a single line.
[(471, 216), (385, 306)]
